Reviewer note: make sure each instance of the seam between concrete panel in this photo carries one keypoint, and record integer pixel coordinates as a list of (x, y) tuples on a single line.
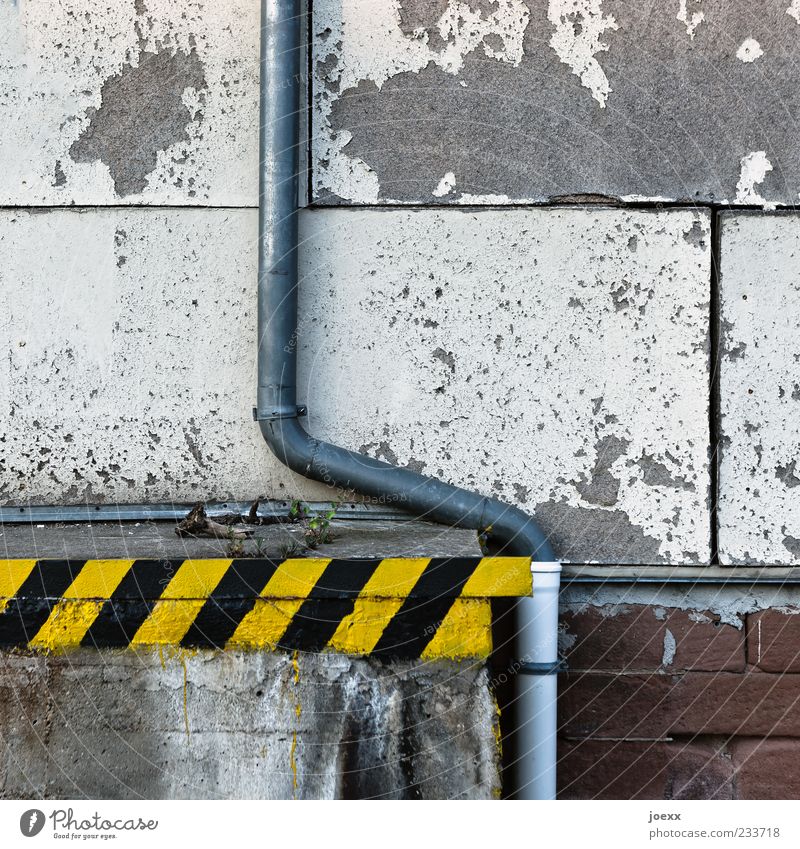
[(714, 405)]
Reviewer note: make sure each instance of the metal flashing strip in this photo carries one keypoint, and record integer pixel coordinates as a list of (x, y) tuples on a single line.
[(393, 608)]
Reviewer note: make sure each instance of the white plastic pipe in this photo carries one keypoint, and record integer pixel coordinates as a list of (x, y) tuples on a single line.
[(537, 685)]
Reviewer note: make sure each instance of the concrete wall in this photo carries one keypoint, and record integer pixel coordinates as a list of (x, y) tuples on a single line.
[(203, 725), (555, 358), (603, 345)]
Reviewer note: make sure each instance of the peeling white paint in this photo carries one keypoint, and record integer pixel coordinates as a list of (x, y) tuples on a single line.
[(496, 352), (749, 51), (446, 185), (754, 169), (360, 41), (670, 647), (467, 199), (517, 334), (794, 10), (55, 58), (729, 604), (691, 20), (759, 478), (577, 39)]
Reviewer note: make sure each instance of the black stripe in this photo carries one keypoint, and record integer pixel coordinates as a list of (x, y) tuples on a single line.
[(444, 576), (322, 612), (29, 609), (315, 623), (131, 603), (49, 578), (232, 599), (418, 620), (344, 578)]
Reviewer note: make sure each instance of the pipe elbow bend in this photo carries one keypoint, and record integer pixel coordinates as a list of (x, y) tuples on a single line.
[(289, 443)]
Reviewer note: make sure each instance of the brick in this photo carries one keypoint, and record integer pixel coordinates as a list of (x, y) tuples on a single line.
[(766, 769), (600, 769), (759, 511), (645, 637), (773, 641), (659, 705)]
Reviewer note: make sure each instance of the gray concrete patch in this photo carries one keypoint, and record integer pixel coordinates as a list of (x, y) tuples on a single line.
[(142, 113), (211, 725)]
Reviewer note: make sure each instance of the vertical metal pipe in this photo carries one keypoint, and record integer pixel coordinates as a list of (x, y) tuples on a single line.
[(508, 528), (279, 154)]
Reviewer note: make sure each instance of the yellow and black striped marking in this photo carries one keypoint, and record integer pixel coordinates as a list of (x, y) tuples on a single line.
[(392, 608)]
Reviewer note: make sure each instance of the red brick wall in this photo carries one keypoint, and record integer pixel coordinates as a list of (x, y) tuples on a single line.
[(720, 720)]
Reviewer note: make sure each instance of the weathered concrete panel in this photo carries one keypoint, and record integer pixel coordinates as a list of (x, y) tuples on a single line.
[(452, 101), (136, 101), (210, 725), (759, 511), (467, 101), (557, 359), (130, 365)]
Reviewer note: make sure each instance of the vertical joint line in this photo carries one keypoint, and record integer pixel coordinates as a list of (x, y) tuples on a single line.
[(309, 41), (714, 406)]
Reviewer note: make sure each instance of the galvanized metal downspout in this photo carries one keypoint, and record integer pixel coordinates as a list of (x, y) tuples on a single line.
[(509, 529)]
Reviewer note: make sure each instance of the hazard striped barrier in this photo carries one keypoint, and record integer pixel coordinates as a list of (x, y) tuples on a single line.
[(391, 607)]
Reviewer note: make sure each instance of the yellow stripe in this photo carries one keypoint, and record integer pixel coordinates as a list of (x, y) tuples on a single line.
[(500, 576), (286, 590), (379, 600), (180, 602), (360, 631), (196, 579), (466, 631), (394, 577), (295, 578), (73, 615), (265, 624), (13, 574)]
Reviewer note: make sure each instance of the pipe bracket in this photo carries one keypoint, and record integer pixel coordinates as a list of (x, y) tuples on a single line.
[(298, 412), (552, 668)]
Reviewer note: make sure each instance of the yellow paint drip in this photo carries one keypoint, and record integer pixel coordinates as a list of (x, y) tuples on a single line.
[(182, 658), (297, 712)]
